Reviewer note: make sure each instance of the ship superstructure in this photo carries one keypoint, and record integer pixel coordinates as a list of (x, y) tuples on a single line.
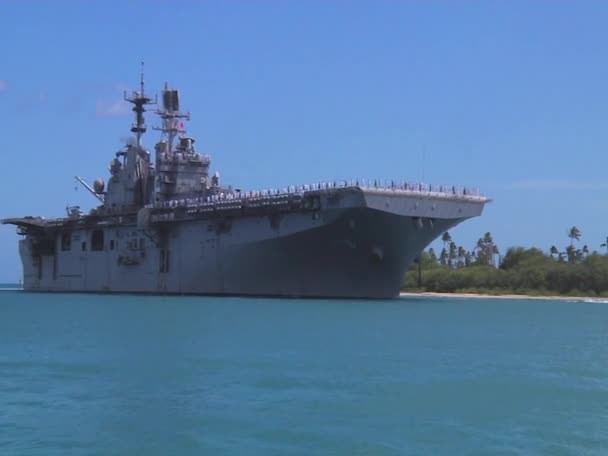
[(167, 225)]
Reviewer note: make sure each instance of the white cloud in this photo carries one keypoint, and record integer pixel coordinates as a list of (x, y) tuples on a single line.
[(558, 184), (112, 108), (3, 85)]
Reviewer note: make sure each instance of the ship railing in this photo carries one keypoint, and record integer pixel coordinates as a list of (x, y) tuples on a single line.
[(275, 195)]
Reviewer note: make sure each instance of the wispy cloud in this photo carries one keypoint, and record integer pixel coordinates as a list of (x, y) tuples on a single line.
[(106, 94), (109, 102), (558, 184), (114, 108), (3, 85)]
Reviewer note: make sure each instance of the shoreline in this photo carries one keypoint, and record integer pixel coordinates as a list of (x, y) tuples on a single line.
[(431, 294), (428, 294)]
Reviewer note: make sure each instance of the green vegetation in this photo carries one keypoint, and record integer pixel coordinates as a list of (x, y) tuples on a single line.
[(571, 272)]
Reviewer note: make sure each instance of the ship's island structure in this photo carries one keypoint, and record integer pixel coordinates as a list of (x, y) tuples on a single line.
[(168, 226)]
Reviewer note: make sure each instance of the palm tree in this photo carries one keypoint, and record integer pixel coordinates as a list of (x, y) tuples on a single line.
[(479, 245), (491, 248), (605, 244), (461, 256), (486, 249), (432, 255), (479, 251), (553, 251), (443, 256), (493, 252), (574, 233), (487, 238), (468, 259), (452, 252), (571, 253), (446, 238), (585, 250)]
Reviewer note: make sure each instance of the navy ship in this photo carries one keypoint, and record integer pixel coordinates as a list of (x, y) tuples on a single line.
[(166, 224)]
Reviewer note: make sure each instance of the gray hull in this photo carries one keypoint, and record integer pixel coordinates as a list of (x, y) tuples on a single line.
[(362, 254), (355, 244)]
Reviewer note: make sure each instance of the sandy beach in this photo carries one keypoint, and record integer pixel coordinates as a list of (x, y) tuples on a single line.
[(507, 296)]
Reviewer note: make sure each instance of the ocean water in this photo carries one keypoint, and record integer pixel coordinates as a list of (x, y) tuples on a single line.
[(132, 375)]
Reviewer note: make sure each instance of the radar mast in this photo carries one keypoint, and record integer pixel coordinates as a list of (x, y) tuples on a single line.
[(139, 101), (171, 115)]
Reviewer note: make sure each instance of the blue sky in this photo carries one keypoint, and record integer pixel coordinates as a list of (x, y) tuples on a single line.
[(510, 97)]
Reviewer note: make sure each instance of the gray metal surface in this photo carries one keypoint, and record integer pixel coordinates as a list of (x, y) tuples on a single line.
[(171, 228)]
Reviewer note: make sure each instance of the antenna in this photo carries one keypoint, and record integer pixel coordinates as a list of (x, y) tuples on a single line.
[(139, 101), (141, 80)]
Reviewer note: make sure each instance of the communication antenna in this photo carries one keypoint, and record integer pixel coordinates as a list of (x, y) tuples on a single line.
[(139, 101)]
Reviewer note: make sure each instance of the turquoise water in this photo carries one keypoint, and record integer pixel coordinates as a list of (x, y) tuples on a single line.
[(128, 375)]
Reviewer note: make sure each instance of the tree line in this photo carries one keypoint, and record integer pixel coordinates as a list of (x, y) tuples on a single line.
[(572, 270)]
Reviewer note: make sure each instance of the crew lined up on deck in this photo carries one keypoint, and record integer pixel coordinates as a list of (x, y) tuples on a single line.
[(364, 184)]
